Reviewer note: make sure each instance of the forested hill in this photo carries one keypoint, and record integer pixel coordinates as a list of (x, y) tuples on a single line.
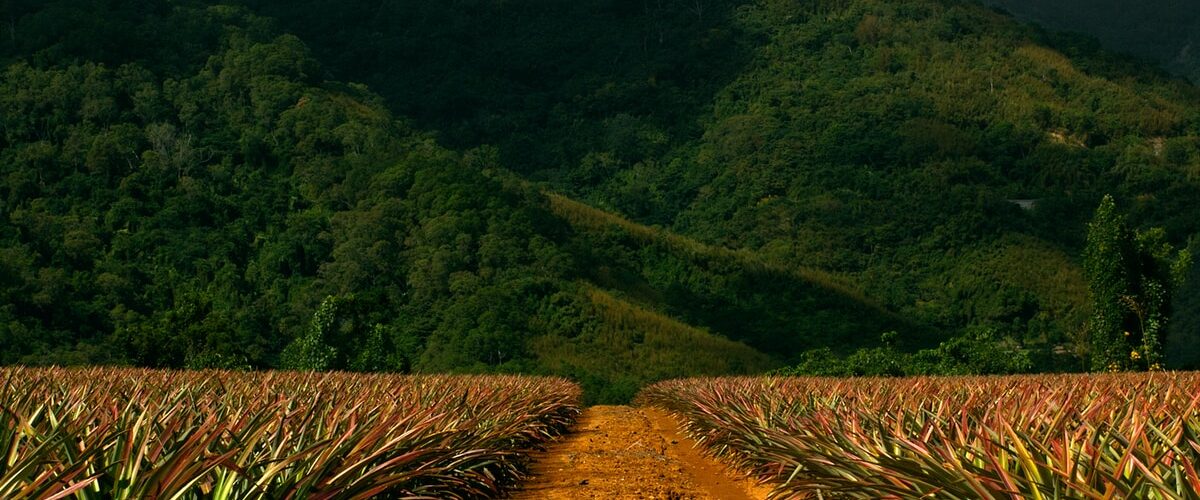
[(1165, 31), (200, 184), (878, 140)]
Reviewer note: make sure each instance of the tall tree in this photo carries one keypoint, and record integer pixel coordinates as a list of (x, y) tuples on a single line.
[(1130, 279)]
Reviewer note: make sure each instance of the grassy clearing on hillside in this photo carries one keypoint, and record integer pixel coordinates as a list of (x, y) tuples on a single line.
[(584, 215), (1060, 436), (626, 346), (739, 294), (132, 433)]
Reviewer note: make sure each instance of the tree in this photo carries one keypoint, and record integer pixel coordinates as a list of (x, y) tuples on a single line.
[(1130, 279), (312, 351)]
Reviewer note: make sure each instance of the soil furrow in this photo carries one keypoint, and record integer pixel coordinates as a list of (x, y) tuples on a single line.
[(630, 452)]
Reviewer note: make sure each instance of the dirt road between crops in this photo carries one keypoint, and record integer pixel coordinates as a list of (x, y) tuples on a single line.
[(618, 452)]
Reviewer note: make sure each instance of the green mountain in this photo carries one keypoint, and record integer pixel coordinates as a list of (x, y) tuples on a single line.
[(618, 191)]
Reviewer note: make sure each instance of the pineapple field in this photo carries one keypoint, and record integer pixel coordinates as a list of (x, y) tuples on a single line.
[(140, 433), (1046, 436), (133, 433)]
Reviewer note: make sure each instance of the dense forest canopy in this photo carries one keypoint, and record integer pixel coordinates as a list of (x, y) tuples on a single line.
[(742, 185)]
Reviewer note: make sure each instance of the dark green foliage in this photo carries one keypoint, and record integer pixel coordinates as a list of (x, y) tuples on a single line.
[(198, 219), (878, 140), (609, 83), (242, 213), (978, 352), (1109, 259), (1130, 282), (311, 351), (1183, 331)]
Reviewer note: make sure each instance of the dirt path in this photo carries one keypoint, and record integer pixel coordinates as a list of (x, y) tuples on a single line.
[(627, 452)]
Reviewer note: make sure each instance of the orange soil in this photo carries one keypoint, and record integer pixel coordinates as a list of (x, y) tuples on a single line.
[(626, 452)]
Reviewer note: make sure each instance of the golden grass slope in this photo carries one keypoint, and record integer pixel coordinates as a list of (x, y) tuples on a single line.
[(583, 216), (641, 345)]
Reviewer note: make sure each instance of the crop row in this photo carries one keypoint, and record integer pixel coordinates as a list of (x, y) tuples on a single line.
[(133, 433), (1050, 436)]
